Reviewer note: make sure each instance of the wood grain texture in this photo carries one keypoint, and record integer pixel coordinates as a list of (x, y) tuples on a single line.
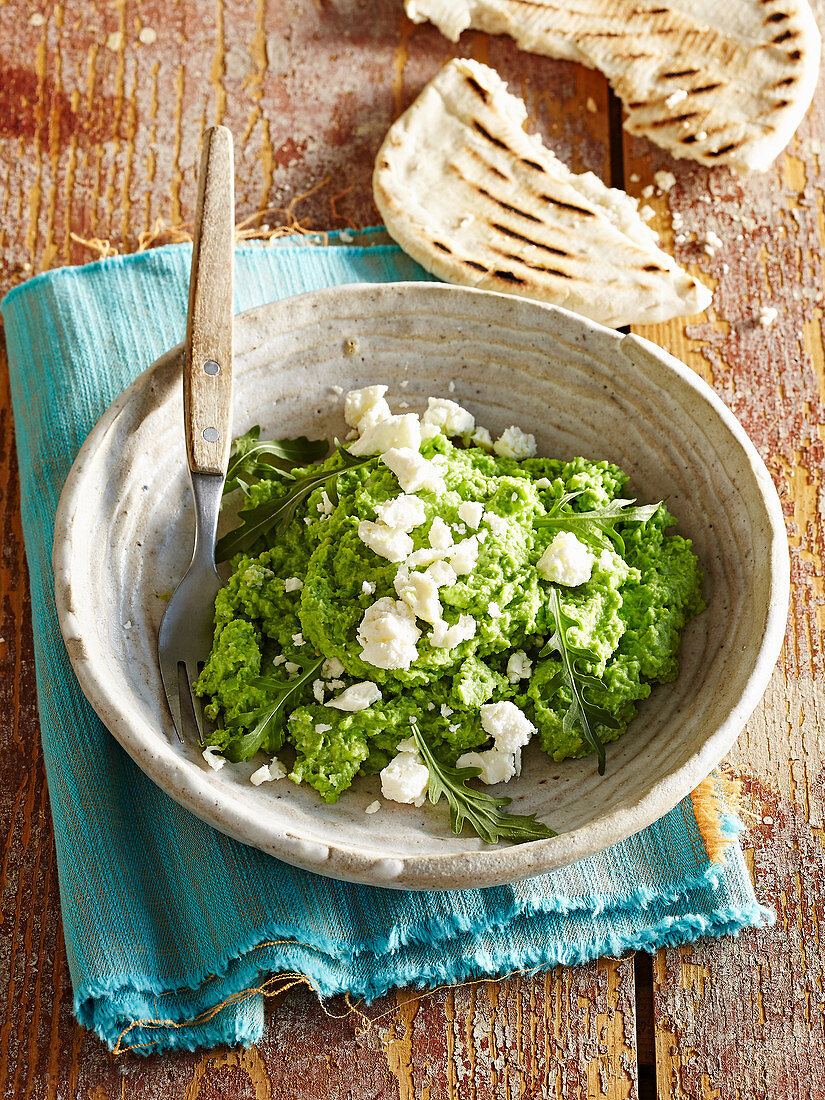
[(101, 113), (207, 368)]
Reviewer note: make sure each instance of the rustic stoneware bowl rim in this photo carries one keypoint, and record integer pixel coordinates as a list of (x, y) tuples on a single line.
[(193, 787)]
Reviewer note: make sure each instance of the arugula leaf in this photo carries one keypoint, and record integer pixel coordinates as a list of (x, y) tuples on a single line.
[(253, 458), (276, 515), (270, 717), (598, 525), (477, 809), (581, 711)]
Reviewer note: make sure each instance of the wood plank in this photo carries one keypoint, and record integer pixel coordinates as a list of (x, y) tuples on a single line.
[(744, 1017), (101, 111)]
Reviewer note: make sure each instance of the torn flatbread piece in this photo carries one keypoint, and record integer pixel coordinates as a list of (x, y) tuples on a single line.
[(477, 201), (717, 81)]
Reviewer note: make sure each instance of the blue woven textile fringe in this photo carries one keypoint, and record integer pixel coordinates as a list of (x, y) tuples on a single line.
[(164, 918)]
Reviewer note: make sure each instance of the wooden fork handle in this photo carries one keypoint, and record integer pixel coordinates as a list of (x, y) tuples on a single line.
[(207, 369)]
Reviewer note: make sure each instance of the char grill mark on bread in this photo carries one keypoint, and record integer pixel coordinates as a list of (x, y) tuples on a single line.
[(485, 204), (742, 71)]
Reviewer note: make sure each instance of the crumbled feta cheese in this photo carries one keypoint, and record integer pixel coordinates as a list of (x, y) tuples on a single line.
[(331, 667), (388, 634), (358, 402), (368, 587), (463, 558), (334, 685), (318, 690), (446, 711), (373, 807), (385, 541), (412, 470), (514, 443), (710, 242), (664, 180), (298, 639), (293, 584), (646, 213), (519, 667), (493, 609), (443, 575), (268, 772), (509, 726), (449, 416), (291, 667), (676, 97), (471, 512), (214, 762), (647, 191), (279, 659), (482, 438), (448, 637), (403, 513), (357, 697), (496, 767), (429, 431), (420, 593), (497, 524), (379, 412), (440, 536), (322, 727), (325, 505), (566, 561), (405, 779), (394, 433), (543, 483), (767, 316)]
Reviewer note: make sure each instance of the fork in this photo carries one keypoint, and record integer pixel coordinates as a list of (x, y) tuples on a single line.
[(185, 636)]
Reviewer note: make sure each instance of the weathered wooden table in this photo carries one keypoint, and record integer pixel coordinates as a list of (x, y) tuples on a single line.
[(101, 109)]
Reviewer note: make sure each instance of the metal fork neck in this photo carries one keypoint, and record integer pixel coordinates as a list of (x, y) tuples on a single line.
[(207, 490)]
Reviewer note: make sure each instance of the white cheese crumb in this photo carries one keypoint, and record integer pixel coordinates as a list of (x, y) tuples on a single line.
[(358, 402), (451, 387), (325, 504), (440, 536), (388, 634), (767, 316), (357, 697), (509, 726), (385, 541), (420, 594), (543, 483), (514, 443), (331, 667), (298, 639), (519, 667), (214, 762), (493, 609), (496, 766), (497, 524), (443, 575), (268, 772), (405, 779), (482, 438), (448, 637), (634, 177), (396, 432), (322, 727), (318, 690), (373, 807), (368, 587), (449, 416), (403, 513), (379, 412), (676, 97), (664, 180), (566, 561), (446, 711), (293, 584), (465, 555), (412, 470), (279, 659), (291, 667), (710, 242), (471, 512), (646, 213), (647, 191)]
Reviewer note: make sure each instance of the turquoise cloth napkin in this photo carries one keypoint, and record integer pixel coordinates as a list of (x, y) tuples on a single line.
[(172, 930)]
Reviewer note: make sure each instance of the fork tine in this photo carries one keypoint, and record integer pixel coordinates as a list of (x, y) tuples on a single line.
[(171, 688), (195, 703)]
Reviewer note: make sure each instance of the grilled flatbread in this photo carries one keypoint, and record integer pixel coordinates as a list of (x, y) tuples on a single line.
[(718, 81), (477, 201)]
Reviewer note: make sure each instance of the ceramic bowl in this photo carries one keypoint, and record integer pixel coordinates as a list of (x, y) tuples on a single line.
[(124, 536)]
